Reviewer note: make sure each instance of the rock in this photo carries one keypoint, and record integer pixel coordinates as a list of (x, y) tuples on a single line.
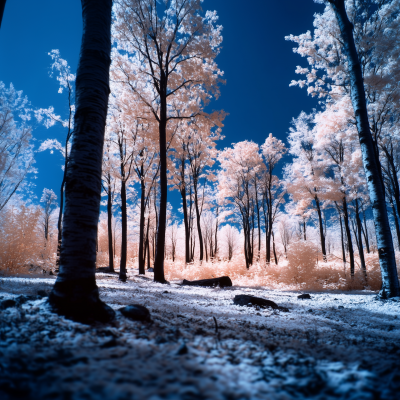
[(247, 300), (42, 293), (7, 304), (223, 281), (341, 307), (136, 312), (182, 350), (304, 296), (310, 310), (23, 299)]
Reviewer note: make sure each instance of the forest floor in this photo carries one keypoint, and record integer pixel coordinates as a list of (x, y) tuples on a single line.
[(335, 345)]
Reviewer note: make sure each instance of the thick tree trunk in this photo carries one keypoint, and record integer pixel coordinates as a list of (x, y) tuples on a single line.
[(141, 255), (390, 281), (109, 227), (75, 293), (348, 236), (162, 219), (124, 233)]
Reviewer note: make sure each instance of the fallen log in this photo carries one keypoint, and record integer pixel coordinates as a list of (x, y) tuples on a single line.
[(247, 300), (223, 281)]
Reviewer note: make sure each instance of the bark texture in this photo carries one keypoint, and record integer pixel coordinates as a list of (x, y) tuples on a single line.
[(75, 293)]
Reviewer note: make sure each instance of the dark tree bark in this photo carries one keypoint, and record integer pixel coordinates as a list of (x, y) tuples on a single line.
[(321, 227), (390, 281), (141, 251), (109, 226), (359, 241), (75, 293), (348, 235), (2, 6), (365, 232)]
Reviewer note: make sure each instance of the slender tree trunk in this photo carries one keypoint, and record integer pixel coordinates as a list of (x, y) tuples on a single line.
[(109, 227), (390, 281), (216, 233), (360, 242), (348, 236), (304, 229), (365, 232), (185, 213), (396, 220), (75, 293), (124, 233), (273, 247), (321, 227), (141, 255), (342, 239), (198, 215)]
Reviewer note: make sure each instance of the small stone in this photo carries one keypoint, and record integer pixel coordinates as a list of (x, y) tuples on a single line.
[(7, 304), (341, 307), (304, 296), (182, 350), (136, 312), (310, 310), (165, 291)]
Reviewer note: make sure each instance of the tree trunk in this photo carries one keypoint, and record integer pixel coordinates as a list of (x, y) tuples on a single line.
[(198, 215), (185, 213), (124, 233), (390, 281), (342, 238), (273, 248), (396, 220), (109, 227), (75, 293), (360, 242), (162, 219), (348, 236), (216, 233), (321, 227), (141, 255), (2, 6), (365, 232)]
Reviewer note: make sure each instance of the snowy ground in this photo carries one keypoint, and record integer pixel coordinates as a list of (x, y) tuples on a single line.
[(336, 345)]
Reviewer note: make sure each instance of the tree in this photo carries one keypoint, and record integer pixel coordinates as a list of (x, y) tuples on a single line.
[(49, 118), (75, 293), (273, 194), (357, 59), (236, 186), (390, 281), (173, 48), (48, 199), (16, 151)]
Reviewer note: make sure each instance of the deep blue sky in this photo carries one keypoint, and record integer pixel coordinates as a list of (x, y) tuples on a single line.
[(258, 64)]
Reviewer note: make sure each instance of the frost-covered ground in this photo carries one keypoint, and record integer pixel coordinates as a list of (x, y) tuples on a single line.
[(336, 345)]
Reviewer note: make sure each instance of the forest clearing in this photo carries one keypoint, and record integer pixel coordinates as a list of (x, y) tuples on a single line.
[(181, 219), (334, 345)]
